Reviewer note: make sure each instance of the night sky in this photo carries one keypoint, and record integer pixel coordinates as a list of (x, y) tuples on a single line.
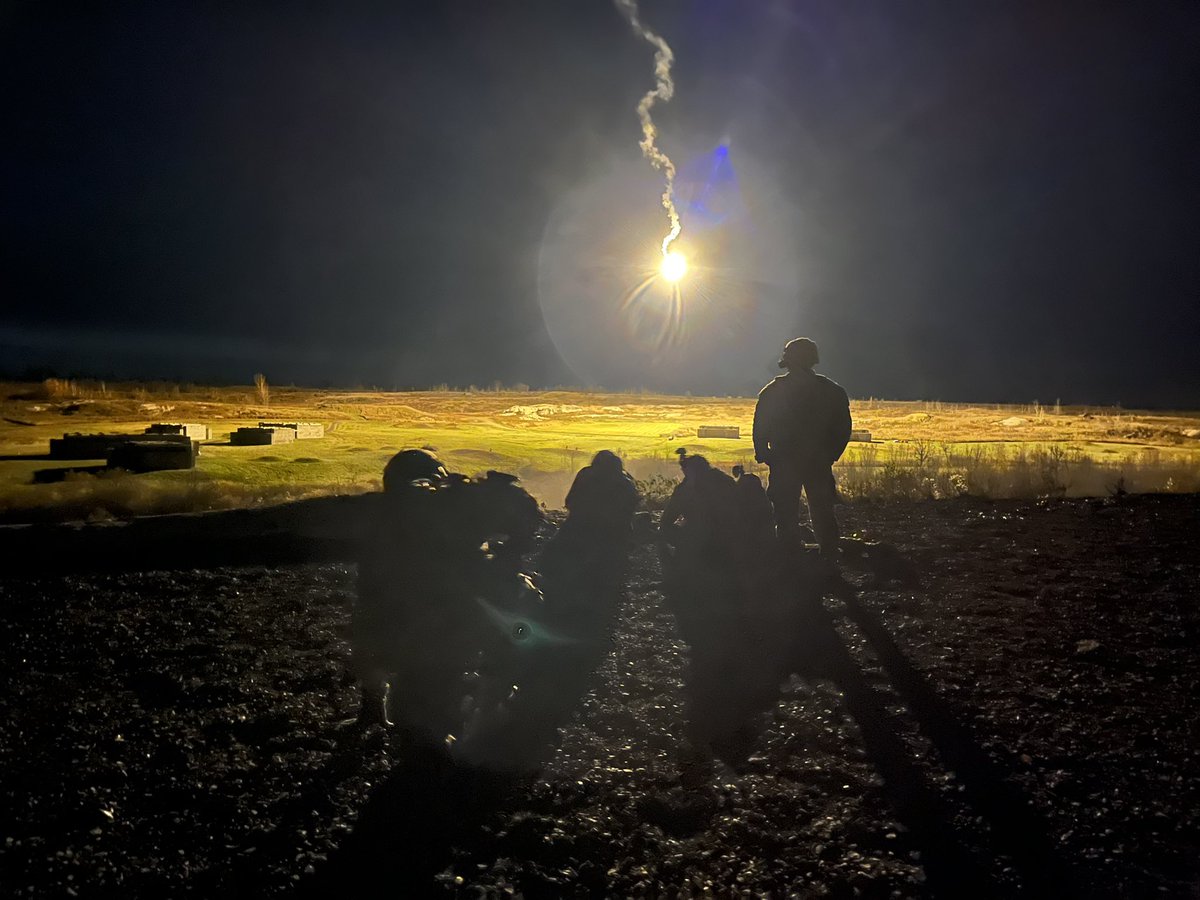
[(987, 201)]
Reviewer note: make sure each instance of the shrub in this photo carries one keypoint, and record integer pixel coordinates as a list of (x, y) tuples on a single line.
[(926, 471), (262, 389), (656, 490)]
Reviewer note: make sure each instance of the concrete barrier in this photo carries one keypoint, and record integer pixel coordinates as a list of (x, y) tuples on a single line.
[(154, 455), (193, 430), (253, 437), (719, 431), (86, 446), (304, 430)]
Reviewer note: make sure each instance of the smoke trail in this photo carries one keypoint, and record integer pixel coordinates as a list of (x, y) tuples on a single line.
[(663, 90)]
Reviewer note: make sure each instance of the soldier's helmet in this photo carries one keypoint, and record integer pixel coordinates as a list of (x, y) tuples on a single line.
[(749, 482), (500, 493), (408, 466), (691, 463), (608, 462), (493, 478), (800, 353)]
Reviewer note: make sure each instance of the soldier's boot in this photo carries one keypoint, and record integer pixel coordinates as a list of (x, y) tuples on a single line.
[(374, 707)]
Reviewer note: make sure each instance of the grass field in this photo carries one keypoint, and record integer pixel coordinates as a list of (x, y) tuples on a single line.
[(918, 448)]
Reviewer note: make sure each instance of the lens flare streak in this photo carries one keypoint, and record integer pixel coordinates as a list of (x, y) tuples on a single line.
[(654, 310)]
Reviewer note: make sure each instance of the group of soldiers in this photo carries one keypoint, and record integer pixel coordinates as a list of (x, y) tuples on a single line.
[(801, 428), (442, 589), (448, 626)]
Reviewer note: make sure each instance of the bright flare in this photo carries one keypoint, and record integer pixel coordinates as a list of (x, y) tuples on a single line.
[(674, 266)]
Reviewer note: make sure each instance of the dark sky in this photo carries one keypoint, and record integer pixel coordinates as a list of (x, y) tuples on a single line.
[(999, 200)]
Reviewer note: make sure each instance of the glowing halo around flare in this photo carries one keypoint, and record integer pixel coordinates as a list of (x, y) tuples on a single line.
[(613, 313), (674, 265)]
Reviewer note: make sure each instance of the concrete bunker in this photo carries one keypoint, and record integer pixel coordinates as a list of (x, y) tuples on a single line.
[(719, 431), (194, 430), (154, 455), (304, 430), (261, 436)]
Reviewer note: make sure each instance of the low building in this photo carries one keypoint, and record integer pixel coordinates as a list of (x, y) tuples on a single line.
[(253, 437), (719, 431), (89, 446), (861, 435), (304, 430), (194, 430), (155, 454)]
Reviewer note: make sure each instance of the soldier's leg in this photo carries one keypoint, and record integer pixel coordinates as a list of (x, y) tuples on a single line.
[(370, 668), (374, 707), (783, 488), (821, 492), (369, 664)]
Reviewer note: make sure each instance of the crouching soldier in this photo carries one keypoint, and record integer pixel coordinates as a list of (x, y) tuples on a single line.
[(508, 519), (387, 568), (484, 527), (442, 544), (698, 530), (585, 561), (600, 504), (756, 521)]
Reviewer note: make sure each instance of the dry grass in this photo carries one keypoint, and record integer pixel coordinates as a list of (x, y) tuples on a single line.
[(920, 449), (120, 495), (927, 470)]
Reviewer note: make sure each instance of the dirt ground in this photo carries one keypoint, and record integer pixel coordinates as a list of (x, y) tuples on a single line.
[(1022, 721)]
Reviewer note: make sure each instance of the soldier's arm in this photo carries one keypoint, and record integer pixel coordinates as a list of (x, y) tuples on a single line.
[(672, 511), (762, 443), (632, 497), (576, 488), (842, 426), (532, 518)]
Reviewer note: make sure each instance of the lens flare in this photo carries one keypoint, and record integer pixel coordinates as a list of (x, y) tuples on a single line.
[(674, 265), (612, 312)]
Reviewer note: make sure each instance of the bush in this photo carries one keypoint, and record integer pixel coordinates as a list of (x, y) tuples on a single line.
[(656, 490), (923, 470)]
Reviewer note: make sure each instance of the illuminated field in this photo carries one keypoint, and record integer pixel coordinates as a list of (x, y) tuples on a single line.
[(918, 449)]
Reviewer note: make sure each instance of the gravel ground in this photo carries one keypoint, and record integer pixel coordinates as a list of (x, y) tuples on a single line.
[(1019, 722)]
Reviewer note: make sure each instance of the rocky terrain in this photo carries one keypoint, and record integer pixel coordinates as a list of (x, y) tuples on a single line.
[(1018, 719)]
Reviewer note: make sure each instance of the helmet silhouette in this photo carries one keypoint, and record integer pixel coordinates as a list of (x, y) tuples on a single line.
[(800, 353), (408, 466)]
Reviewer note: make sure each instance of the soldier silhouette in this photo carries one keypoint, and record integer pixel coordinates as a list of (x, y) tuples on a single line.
[(394, 556), (755, 515), (439, 541), (585, 560), (602, 500), (801, 428), (700, 520)]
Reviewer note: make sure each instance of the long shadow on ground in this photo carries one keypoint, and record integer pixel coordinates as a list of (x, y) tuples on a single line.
[(433, 804), (404, 835), (430, 807), (785, 628), (1015, 831)]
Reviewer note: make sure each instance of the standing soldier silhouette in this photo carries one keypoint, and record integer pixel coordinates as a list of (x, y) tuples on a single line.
[(801, 427)]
